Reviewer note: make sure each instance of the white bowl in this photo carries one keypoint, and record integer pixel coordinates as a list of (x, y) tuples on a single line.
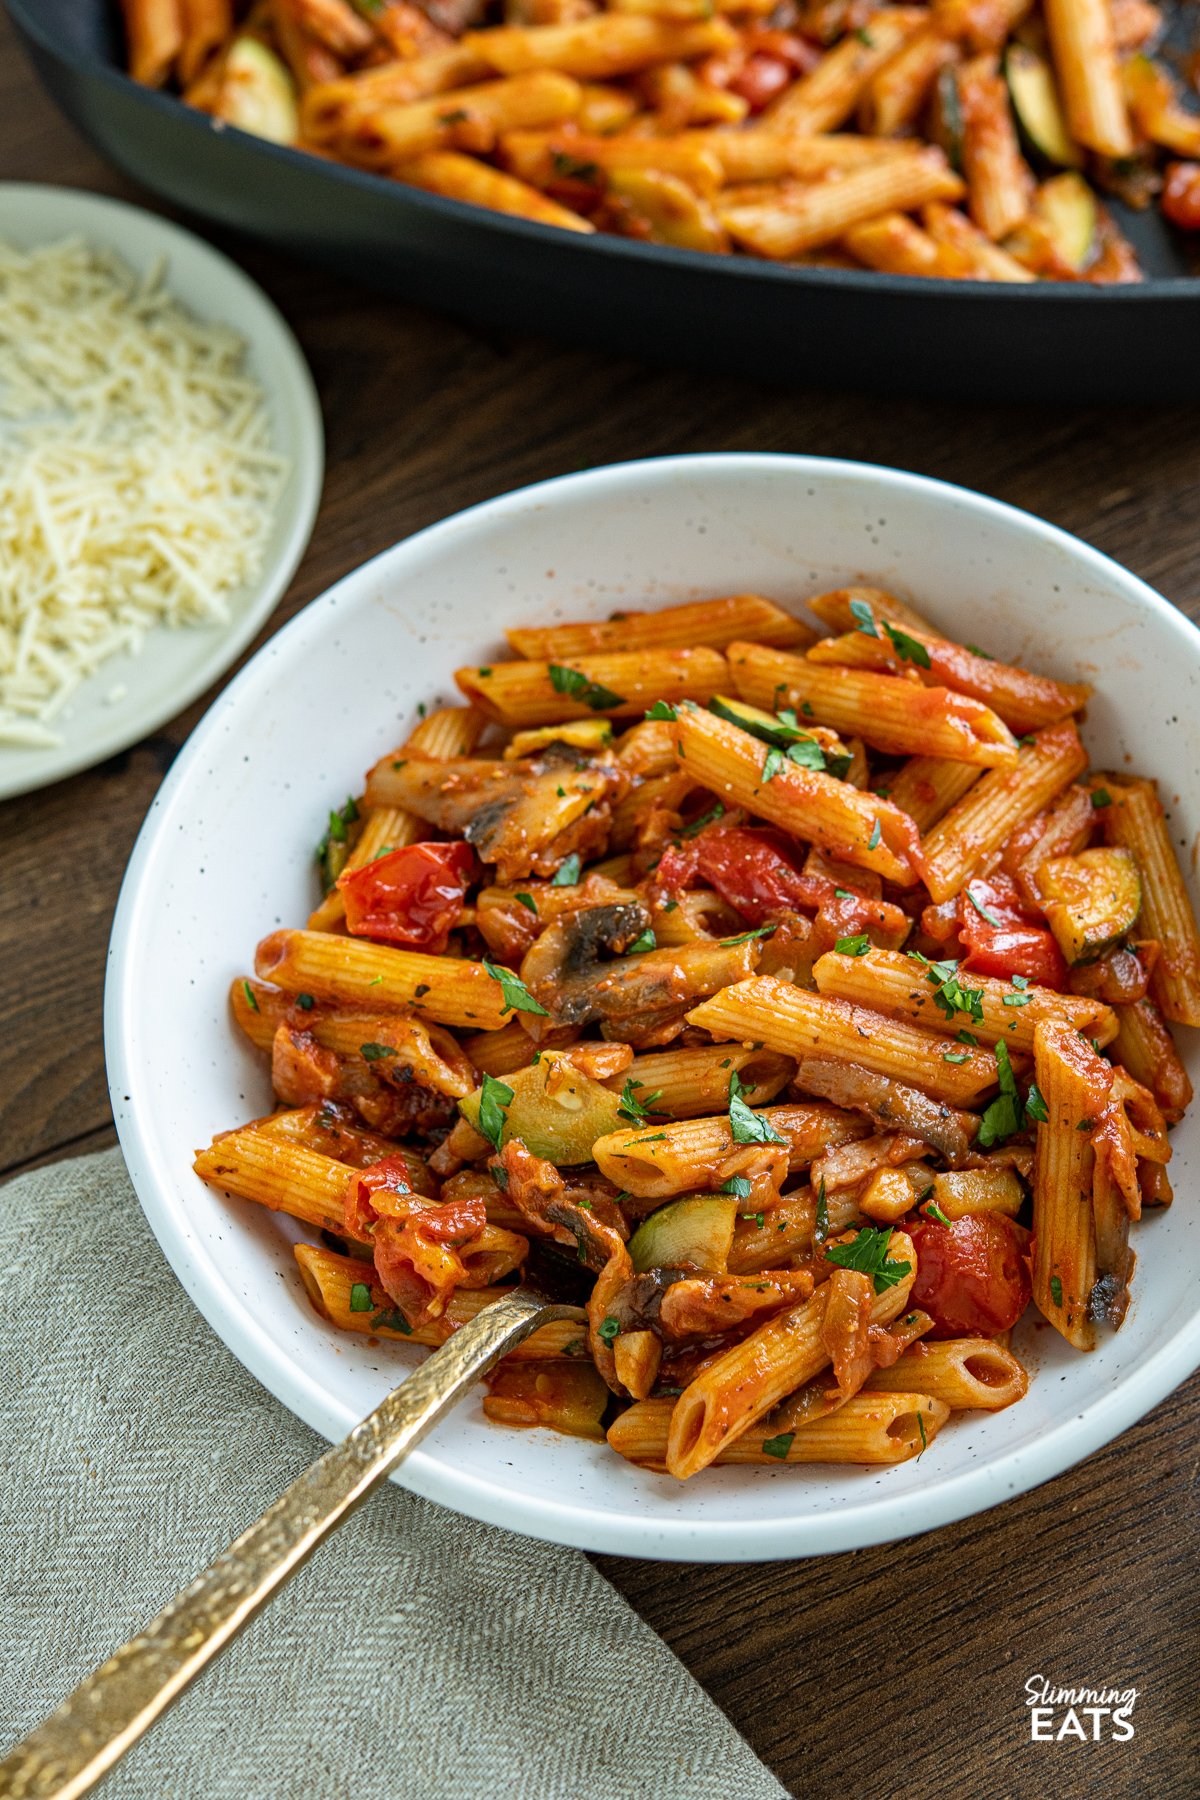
[(226, 856), (174, 666)]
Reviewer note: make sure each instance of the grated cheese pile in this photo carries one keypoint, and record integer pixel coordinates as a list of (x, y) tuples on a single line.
[(137, 479)]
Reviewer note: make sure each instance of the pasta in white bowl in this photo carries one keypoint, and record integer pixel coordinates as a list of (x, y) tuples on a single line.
[(338, 691)]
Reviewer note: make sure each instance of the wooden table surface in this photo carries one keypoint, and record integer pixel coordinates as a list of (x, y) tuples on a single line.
[(894, 1671)]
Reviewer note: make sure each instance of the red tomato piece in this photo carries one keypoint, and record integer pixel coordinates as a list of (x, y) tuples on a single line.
[(1003, 937), (1181, 195), (749, 867), (412, 896), (759, 80), (972, 1275)]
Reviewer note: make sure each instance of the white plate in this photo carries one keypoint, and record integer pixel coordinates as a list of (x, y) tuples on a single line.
[(174, 666), (226, 856)]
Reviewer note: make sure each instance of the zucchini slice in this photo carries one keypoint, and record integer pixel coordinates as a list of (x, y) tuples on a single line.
[(556, 1111), (1066, 208), (1038, 110), (1090, 900), (257, 93), (948, 118), (693, 1233)]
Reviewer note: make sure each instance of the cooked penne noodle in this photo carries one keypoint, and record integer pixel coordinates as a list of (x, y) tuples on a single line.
[(895, 245), (859, 828), (1135, 821), (702, 623), (538, 157), (827, 97), (465, 178), (986, 261), (761, 154), (596, 49), (323, 1128), (207, 25), (1089, 74), (733, 1393), (333, 23), (328, 106), (330, 1280), (154, 31), (787, 1230), (873, 1429), (976, 826), (896, 715), (654, 1160), (928, 786), (894, 982), (970, 1374), (980, 24), (807, 216), (690, 1083), (899, 89), (354, 973), (999, 180), (1145, 1047), (273, 1171), (1074, 1084), (839, 609), (393, 135), (1024, 701), (619, 683), (799, 1024)]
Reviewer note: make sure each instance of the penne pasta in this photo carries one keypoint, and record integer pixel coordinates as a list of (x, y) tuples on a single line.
[(1089, 75), (598, 48), (461, 177), (896, 715), (964, 1374), (898, 90), (827, 97), (1074, 1084), (859, 828), (928, 786), (620, 683), (273, 1171), (688, 1084), (910, 987), (999, 180), (709, 623), (656, 1160), (1134, 820), (353, 973), (787, 1019), (976, 826), (873, 1429), (807, 216)]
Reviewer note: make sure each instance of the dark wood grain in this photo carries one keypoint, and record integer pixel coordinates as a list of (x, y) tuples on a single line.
[(895, 1671)]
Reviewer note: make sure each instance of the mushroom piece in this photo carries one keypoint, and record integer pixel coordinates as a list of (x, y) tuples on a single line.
[(890, 1104), (526, 817)]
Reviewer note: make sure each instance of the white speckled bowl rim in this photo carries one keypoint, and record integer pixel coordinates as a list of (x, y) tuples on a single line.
[(225, 856)]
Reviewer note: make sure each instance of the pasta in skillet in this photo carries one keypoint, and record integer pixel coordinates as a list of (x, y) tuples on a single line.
[(963, 139), (781, 992)]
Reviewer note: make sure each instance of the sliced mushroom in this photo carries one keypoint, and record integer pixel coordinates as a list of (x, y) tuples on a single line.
[(890, 1104)]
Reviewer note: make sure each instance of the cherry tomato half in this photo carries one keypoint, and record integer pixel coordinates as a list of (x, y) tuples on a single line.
[(972, 1274), (1003, 937), (412, 896)]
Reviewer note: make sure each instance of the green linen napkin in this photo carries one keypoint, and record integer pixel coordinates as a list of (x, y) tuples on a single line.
[(418, 1656)]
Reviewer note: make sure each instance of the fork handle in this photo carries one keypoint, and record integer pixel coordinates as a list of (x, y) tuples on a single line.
[(109, 1711)]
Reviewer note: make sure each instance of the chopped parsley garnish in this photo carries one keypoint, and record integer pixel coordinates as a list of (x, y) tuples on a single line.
[(934, 1211), (807, 709), (921, 1429), (571, 168), (1006, 1114), (1035, 1106), (875, 836), (760, 931), (610, 1329), (251, 1001), (867, 1251), (778, 1446), (976, 651), (376, 1052), (569, 871), (458, 117), (1056, 1290), (645, 941), (965, 1037), (983, 911), (951, 996), (1015, 999), (528, 901), (745, 1125), (860, 612), (716, 811), (304, 1002), (576, 686), (517, 997), (483, 674), (1101, 797), (1086, 1125), (392, 1320), (756, 1218), (853, 946), (822, 1226), (630, 1107), (907, 648), (360, 1297), (786, 739), (737, 1185), (662, 709), (954, 1056), (495, 1098), (772, 763)]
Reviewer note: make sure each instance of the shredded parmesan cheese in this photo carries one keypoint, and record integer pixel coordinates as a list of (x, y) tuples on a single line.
[(137, 478)]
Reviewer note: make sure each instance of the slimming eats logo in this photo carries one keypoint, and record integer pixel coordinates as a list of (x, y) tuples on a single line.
[(1089, 1714)]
